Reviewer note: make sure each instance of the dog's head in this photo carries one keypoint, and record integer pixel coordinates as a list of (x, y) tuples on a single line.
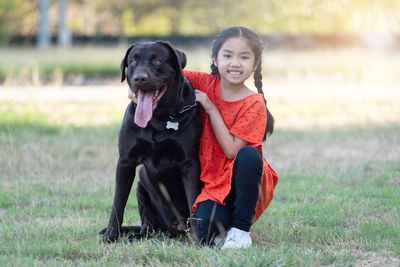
[(152, 69)]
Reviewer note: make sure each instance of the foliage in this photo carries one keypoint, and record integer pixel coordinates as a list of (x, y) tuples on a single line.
[(8, 12), (192, 17), (287, 16)]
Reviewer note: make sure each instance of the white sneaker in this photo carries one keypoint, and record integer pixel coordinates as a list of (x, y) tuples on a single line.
[(237, 238)]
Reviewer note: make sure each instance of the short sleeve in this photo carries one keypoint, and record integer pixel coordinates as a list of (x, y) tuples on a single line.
[(195, 78), (201, 81), (251, 122)]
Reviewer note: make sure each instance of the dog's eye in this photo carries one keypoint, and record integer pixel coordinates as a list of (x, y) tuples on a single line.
[(157, 61), (132, 62)]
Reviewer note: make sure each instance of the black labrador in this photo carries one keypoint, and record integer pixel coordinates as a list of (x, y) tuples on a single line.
[(162, 132)]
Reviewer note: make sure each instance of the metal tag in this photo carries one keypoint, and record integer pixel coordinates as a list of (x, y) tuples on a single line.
[(172, 125)]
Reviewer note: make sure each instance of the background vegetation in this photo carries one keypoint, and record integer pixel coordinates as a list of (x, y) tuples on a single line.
[(191, 17)]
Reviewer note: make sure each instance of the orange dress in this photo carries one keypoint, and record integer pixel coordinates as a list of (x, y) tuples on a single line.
[(246, 119)]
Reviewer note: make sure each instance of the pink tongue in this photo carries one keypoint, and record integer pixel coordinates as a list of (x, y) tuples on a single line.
[(144, 109)]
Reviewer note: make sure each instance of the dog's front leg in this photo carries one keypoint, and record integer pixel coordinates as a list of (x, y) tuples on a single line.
[(192, 185), (125, 175)]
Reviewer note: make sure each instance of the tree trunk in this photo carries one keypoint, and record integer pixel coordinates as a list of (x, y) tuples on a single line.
[(64, 36), (43, 35)]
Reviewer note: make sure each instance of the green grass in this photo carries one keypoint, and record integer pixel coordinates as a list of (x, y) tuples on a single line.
[(22, 63), (335, 149), (336, 203)]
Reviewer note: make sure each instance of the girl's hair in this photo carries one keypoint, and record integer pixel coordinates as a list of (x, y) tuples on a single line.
[(256, 44)]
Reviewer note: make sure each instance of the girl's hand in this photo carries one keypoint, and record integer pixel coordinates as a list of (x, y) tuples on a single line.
[(132, 96), (203, 99)]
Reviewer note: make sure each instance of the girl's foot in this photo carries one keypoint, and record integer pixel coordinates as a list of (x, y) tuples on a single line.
[(237, 238)]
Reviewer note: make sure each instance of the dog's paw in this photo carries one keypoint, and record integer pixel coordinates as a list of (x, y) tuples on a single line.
[(108, 235), (146, 229), (180, 226)]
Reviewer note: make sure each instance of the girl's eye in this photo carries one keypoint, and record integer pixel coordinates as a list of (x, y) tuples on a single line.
[(245, 58), (227, 56), (157, 62), (132, 62)]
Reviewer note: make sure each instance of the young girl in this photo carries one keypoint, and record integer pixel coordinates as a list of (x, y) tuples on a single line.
[(238, 182)]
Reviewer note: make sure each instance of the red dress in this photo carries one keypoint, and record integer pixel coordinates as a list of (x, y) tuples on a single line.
[(246, 119)]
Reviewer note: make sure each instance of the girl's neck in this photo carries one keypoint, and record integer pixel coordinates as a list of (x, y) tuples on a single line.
[(233, 92)]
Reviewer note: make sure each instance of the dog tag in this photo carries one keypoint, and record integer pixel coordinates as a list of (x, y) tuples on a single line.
[(172, 125)]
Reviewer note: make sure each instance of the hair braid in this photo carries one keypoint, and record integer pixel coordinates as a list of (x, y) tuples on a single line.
[(258, 83), (214, 69), (258, 79)]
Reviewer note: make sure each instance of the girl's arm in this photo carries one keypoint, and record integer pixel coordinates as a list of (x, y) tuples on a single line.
[(197, 79), (229, 143)]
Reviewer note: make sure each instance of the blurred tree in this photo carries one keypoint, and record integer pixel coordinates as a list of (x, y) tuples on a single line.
[(64, 37), (5, 8), (43, 35), (192, 17), (132, 14), (14, 16), (176, 9), (125, 14)]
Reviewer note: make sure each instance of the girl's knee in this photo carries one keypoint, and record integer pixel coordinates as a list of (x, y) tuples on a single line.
[(248, 166), (248, 155)]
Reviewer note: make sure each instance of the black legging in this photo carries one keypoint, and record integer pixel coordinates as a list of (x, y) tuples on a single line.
[(214, 218)]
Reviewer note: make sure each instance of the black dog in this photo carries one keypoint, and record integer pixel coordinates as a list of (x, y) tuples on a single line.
[(162, 132)]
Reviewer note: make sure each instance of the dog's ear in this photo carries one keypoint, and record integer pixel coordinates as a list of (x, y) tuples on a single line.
[(124, 63), (181, 56)]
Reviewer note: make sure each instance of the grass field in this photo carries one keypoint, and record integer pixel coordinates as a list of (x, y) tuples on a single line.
[(335, 148), (24, 66)]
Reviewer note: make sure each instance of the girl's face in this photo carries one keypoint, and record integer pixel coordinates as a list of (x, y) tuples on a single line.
[(235, 61)]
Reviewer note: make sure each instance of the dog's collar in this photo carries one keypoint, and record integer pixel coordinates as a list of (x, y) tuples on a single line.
[(184, 109), (172, 121)]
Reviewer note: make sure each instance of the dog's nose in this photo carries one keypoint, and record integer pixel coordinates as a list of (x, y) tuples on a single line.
[(140, 78)]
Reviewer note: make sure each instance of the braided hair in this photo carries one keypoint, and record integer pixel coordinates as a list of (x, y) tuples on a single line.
[(256, 44)]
